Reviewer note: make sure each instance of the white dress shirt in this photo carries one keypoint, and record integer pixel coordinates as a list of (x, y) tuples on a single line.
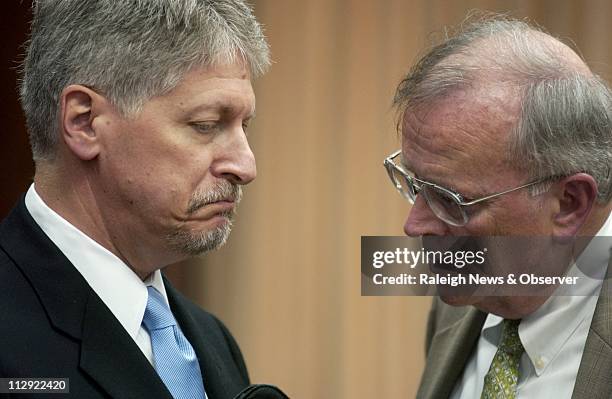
[(553, 336), (121, 290)]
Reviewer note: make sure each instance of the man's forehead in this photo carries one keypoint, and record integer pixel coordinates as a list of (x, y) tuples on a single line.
[(463, 131), (465, 117), (225, 89)]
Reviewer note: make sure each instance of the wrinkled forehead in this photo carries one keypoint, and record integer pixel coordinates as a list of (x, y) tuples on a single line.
[(464, 134)]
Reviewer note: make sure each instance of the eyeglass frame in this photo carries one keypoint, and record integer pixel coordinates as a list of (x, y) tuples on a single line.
[(457, 197)]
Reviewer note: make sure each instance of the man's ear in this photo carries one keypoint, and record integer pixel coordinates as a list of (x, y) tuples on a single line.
[(576, 195), (79, 107)]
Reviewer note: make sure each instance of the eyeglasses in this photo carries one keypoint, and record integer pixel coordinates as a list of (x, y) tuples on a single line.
[(448, 205)]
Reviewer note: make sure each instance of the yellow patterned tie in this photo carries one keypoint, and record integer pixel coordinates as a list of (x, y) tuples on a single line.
[(501, 380)]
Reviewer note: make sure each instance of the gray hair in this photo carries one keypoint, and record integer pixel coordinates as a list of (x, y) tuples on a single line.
[(565, 124), (129, 50)]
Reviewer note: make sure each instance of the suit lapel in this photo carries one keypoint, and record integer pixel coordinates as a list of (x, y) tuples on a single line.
[(594, 379), (108, 354), (61, 289), (450, 350), (111, 358)]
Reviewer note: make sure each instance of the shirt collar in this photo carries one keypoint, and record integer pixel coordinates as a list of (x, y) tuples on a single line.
[(121, 290), (544, 332)]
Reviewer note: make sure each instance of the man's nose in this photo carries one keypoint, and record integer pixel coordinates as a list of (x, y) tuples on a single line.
[(422, 221), (235, 161)]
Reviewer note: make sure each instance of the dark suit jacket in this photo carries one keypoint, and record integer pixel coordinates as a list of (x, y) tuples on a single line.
[(52, 324), (452, 334)]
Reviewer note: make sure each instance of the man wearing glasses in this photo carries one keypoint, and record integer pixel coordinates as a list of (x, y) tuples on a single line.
[(507, 132)]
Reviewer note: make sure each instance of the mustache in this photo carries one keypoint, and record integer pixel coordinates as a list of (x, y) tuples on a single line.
[(221, 191)]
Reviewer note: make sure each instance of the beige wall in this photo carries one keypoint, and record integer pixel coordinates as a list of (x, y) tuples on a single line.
[(288, 282)]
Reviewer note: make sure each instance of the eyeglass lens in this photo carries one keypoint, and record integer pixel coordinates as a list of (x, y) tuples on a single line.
[(402, 184), (442, 204)]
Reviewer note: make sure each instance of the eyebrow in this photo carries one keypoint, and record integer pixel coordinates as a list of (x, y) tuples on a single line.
[(251, 115), (403, 161), (224, 107), (446, 186)]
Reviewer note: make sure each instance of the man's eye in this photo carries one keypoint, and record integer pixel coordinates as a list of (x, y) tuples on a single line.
[(245, 126), (205, 127)]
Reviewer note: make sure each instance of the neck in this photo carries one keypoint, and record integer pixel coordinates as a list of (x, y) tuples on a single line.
[(517, 307), (68, 191), (596, 220)]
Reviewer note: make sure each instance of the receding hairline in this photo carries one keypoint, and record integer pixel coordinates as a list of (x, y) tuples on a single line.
[(493, 46), (486, 49)]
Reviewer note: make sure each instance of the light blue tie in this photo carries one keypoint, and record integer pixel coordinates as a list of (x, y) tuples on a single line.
[(175, 360)]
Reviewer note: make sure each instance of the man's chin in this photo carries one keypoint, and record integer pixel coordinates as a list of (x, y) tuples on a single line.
[(194, 243), (456, 300)]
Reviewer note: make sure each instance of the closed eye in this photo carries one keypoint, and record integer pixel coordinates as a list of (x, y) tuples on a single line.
[(246, 123), (205, 127)]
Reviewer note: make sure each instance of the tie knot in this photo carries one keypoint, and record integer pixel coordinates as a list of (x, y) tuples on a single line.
[(157, 314), (510, 342)]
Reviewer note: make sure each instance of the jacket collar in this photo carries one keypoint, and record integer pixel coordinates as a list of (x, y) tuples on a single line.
[(450, 349), (596, 363), (108, 354)]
